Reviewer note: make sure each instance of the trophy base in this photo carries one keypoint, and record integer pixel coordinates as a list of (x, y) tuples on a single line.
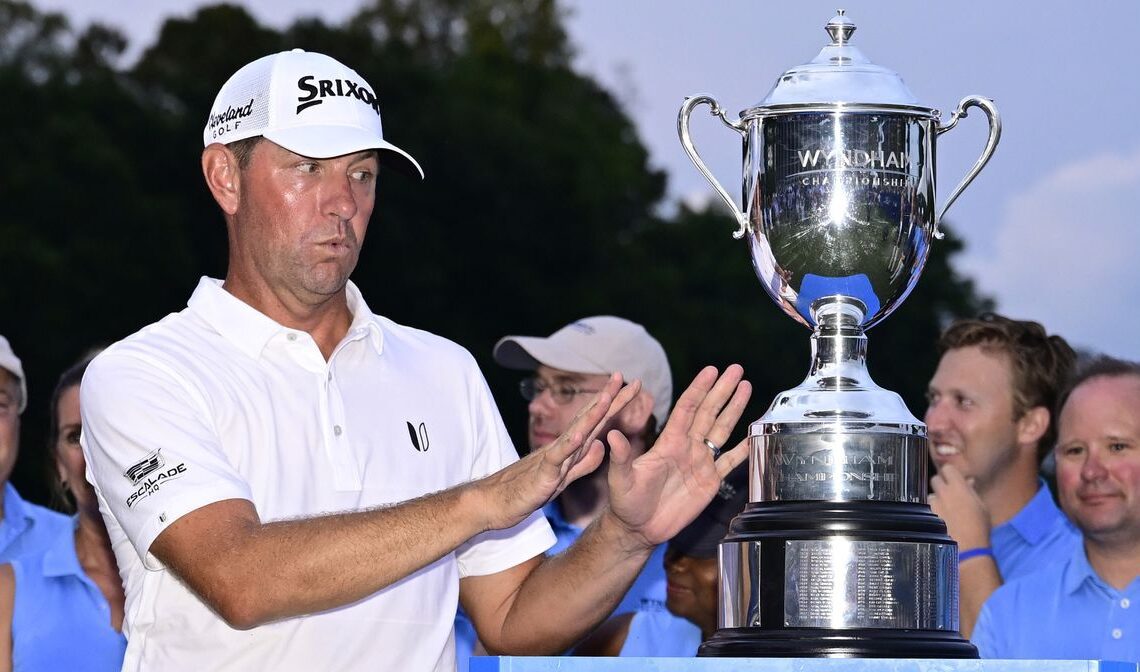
[(824, 643), (838, 579)]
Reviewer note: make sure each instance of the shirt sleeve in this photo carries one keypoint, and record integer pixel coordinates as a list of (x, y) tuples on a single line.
[(151, 452), (497, 550)]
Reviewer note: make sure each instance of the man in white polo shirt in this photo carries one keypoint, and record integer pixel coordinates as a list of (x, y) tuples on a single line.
[(294, 483)]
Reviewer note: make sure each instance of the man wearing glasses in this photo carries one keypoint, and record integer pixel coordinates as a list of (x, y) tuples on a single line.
[(568, 367)]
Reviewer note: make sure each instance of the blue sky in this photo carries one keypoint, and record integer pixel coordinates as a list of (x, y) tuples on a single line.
[(1050, 225)]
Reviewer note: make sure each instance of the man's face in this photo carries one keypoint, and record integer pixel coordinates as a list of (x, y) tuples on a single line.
[(548, 417), (1098, 458), (692, 587), (9, 423), (969, 415), (301, 221)]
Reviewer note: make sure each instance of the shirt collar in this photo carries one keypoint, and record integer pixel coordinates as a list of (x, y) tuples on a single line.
[(250, 330), (15, 513), (1036, 519), (60, 558), (364, 322)]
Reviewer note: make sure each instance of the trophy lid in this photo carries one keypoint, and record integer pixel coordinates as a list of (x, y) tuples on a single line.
[(840, 73)]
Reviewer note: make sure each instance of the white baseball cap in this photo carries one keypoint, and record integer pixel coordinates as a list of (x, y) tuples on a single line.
[(308, 103), (9, 361), (602, 344)]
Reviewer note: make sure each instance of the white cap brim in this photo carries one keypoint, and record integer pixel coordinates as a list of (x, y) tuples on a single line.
[(325, 142), (526, 353)]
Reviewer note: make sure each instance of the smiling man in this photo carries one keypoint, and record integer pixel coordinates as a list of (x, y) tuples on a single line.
[(1087, 607), (990, 423), (267, 504)]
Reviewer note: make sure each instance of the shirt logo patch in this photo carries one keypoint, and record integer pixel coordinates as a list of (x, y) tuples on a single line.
[(154, 483), (419, 438), (149, 464)]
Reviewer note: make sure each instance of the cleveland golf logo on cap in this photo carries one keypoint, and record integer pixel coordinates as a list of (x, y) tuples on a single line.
[(231, 113), (316, 90)]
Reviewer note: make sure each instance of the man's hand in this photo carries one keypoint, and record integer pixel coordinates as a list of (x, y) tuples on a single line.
[(954, 500), (968, 522), (656, 494), (513, 493)]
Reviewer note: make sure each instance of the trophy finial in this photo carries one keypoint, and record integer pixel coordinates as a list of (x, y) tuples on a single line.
[(840, 28)]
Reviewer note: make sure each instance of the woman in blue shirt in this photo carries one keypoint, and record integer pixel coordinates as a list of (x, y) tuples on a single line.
[(63, 608)]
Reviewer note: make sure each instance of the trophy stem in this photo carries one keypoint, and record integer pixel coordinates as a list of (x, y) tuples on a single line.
[(839, 349)]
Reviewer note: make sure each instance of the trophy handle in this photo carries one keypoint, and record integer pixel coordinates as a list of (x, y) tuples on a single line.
[(991, 112), (687, 142)]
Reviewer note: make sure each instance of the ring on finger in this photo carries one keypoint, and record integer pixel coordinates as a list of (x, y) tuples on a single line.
[(713, 447)]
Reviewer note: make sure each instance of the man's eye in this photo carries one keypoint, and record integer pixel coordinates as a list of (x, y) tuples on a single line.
[(1118, 446), (566, 391), (73, 437), (363, 176), (307, 167)]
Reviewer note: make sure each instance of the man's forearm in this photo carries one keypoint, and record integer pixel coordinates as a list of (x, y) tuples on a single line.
[(582, 586), (257, 573)]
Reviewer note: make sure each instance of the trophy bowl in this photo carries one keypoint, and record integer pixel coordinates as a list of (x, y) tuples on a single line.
[(837, 553)]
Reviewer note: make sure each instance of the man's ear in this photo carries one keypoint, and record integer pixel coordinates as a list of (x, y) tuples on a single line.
[(223, 176), (1033, 425), (636, 415)]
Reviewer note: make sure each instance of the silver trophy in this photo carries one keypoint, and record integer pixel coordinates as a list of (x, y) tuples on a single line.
[(837, 553)]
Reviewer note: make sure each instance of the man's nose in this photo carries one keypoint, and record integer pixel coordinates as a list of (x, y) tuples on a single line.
[(542, 403), (1093, 468), (935, 417), (340, 199)]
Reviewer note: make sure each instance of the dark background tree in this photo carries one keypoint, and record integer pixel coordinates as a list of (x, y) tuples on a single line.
[(540, 204)]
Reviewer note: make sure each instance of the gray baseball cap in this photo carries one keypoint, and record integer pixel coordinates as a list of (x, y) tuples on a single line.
[(601, 344), (9, 361)]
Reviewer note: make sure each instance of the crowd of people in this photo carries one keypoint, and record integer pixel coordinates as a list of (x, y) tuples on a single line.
[(278, 478)]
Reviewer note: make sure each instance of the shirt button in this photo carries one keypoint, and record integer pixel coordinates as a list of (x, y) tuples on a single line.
[(1116, 633), (1125, 603), (336, 430), (291, 336)]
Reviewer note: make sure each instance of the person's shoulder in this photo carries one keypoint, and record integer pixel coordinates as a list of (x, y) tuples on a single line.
[(404, 338), (1030, 587), (158, 340)]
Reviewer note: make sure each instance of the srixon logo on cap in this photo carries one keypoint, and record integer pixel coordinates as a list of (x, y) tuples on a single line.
[(316, 90)]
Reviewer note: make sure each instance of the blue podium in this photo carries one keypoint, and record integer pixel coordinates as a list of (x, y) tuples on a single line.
[(563, 664)]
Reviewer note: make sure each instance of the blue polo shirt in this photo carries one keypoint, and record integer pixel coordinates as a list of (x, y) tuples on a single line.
[(648, 589), (1064, 611), (60, 619), (1040, 534), (26, 527), (657, 633)]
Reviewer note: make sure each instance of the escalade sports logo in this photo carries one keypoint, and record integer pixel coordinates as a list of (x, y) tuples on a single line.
[(149, 475), (139, 470)]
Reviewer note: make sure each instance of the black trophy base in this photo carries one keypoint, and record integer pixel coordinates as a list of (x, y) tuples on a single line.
[(824, 643)]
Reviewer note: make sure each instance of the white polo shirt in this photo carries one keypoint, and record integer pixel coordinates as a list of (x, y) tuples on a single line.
[(219, 402)]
